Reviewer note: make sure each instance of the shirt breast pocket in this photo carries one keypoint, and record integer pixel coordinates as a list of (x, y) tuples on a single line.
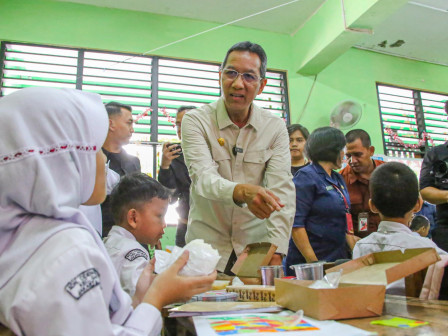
[(223, 160), (255, 165)]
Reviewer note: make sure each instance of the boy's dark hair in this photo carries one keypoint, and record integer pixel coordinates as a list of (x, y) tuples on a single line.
[(355, 134), (325, 144), (394, 189), (132, 192), (418, 222), (297, 127), (251, 47), (185, 107), (114, 108)]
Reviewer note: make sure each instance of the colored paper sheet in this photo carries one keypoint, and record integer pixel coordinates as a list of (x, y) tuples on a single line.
[(238, 325), (399, 322), (265, 324)]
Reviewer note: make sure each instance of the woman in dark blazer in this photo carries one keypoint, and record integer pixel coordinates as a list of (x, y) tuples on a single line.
[(322, 218)]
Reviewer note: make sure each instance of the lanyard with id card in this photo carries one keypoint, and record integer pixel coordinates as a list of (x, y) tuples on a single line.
[(363, 221), (348, 215)]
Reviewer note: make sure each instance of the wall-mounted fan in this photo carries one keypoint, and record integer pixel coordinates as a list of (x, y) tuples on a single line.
[(345, 114)]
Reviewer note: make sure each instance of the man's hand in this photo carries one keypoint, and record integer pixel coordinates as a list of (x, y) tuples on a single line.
[(260, 201), (169, 287), (169, 154)]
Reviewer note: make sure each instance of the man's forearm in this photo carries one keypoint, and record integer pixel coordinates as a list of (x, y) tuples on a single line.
[(434, 195)]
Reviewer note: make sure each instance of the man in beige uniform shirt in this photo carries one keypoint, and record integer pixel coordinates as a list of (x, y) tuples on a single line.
[(238, 158)]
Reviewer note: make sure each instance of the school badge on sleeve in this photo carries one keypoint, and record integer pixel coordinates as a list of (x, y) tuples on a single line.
[(82, 283), (136, 253)]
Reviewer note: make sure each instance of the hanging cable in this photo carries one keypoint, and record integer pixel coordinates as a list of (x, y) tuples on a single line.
[(203, 32)]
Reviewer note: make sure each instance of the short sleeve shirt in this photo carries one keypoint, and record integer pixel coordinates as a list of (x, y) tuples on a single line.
[(358, 189)]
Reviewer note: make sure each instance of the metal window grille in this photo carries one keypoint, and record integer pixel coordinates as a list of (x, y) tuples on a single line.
[(153, 86), (410, 114)]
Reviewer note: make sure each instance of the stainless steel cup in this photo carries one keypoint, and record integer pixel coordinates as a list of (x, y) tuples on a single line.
[(269, 273), (314, 271)]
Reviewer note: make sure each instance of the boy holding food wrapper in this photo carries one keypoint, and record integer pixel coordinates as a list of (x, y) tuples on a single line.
[(139, 204)]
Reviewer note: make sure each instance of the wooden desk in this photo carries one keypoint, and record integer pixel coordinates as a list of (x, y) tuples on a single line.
[(433, 311)]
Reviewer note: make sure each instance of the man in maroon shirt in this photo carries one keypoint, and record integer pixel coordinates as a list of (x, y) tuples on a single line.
[(357, 176)]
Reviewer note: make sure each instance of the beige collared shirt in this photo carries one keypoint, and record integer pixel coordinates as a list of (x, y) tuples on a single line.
[(215, 171)]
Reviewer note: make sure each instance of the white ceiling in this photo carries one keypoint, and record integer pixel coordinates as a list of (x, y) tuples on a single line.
[(421, 24), (423, 29), (285, 19)]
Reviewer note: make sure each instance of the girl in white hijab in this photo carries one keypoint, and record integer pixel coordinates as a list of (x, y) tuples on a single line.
[(55, 275)]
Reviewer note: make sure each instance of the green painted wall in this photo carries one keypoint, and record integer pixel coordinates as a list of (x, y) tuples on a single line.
[(354, 76), (351, 76)]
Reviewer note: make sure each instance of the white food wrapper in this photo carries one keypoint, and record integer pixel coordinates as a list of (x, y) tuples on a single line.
[(331, 280), (202, 261)]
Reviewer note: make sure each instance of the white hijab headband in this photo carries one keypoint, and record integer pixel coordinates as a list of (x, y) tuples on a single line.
[(49, 139)]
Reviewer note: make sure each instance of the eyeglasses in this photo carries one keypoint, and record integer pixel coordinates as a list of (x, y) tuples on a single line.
[(247, 77)]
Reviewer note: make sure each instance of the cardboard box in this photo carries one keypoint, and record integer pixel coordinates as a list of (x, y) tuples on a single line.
[(247, 266), (362, 287)]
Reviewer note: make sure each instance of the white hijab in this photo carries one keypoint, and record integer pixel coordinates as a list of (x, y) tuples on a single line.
[(49, 139)]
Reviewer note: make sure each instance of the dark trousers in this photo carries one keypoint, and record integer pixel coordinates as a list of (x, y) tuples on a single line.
[(440, 237), (180, 234)]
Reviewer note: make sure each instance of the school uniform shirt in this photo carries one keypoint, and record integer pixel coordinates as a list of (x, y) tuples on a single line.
[(321, 210), (127, 255), (257, 154), (393, 236), (73, 295), (429, 211)]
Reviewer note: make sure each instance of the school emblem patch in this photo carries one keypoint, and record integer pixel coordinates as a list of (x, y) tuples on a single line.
[(82, 283), (136, 253)]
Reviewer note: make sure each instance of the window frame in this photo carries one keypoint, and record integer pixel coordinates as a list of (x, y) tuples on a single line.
[(154, 105), (419, 112)]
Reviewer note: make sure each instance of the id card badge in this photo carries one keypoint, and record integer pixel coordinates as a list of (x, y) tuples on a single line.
[(363, 221), (349, 221)]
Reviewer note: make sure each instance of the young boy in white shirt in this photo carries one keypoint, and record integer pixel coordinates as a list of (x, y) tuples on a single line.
[(420, 225), (139, 204), (395, 197)]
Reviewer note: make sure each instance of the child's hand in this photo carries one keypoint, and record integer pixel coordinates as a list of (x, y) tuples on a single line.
[(144, 282), (169, 287)]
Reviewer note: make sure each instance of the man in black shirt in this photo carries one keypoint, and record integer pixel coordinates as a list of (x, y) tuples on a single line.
[(120, 132), (173, 174), (434, 188)]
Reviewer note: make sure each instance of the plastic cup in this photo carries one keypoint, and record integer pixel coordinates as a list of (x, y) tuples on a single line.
[(314, 271), (269, 273)]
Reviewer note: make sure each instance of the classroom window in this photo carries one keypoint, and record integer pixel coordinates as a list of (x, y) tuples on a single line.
[(412, 120), (154, 86)]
